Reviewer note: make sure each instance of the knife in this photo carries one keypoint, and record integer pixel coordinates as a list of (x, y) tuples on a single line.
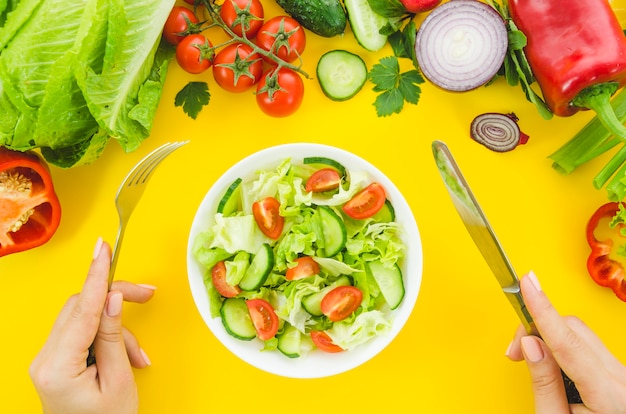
[(485, 239)]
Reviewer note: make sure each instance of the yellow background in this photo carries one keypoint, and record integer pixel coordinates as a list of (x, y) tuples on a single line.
[(450, 355)]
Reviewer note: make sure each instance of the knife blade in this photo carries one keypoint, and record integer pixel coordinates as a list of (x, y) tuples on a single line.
[(487, 243)]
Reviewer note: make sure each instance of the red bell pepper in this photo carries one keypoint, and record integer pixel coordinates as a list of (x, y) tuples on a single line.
[(604, 270), (30, 211), (577, 53)]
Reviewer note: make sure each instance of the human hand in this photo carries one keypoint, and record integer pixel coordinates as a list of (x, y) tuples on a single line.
[(59, 372), (566, 343)]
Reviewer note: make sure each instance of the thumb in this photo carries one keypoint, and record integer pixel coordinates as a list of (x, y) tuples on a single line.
[(111, 357), (545, 373)]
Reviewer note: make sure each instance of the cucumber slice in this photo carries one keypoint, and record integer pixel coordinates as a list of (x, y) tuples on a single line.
[(236, 319), (259, 269), (231, 200), (334, 231), (366, 24), (325, 162), (386, 214), (341, 74), (289, 341), (312, 303), (389, 280)]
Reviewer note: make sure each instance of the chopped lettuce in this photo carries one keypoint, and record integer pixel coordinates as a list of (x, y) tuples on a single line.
[(236, 238), (75, 74)]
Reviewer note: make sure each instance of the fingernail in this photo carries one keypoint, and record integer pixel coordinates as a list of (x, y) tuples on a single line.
[(145, 356), (114, 305), (147, 286), (533, 278), (532, 349), (508, 349), (97, 248)]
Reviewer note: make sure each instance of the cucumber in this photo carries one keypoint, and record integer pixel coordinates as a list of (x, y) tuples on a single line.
[(334, 231), (326, 18), (389, 280), (231, 199), (312, 303), (259, 269), (386, 214), (341, 74), (325, 162), (366, 24), (289, 341), (236, 319)]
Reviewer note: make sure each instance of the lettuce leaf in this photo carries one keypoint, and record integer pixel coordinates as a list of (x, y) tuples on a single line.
[(74, 74)]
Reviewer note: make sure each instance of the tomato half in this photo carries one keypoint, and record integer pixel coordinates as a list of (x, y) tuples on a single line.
[(218, 277), (267, 216), (237, 67), (340, 302), (283, 36), (323, 180), (280, 92), (305, 266), (323, 342), (263, 317), (195, 53), (178, 24), (243, 15), (366, 202)]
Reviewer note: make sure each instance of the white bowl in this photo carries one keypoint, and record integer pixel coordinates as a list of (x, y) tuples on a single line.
[(315, 364)]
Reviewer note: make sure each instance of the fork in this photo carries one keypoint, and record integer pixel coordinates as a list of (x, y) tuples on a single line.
[(131, 190)]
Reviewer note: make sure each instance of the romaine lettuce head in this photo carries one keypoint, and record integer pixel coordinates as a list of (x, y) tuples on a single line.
[(75, 74)]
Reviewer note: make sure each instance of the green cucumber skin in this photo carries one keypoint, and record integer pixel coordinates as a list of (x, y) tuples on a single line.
[(326, 18)]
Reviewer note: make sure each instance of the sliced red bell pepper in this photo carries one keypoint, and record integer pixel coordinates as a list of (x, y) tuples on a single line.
[(30, 211), (603, 269), (577, 53)]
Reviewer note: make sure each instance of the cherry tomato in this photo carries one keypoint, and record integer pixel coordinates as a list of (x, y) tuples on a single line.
[(323, 342), (267, 216), (190, 1), (177, 24), (218, 277), (194, 53), (322, 180), (237, 67), (340, 302), (280, 92), (283, 36), (305, 267), (366, 202), (243, 15), (263, 318)]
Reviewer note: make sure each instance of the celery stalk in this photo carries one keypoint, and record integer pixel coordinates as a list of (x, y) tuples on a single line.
[(592, 140), (609, 169), (616, 188)]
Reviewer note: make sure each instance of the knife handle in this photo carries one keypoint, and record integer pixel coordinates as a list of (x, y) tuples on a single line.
[(573, 396)]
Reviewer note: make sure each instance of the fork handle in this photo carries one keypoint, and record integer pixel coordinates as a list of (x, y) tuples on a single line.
[(116, 251), (91, 357)]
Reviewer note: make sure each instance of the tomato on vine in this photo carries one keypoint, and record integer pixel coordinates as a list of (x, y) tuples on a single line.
[(180, 23), (280, 92), (237, 67), (195, 53), (283, 36), (243, 16)]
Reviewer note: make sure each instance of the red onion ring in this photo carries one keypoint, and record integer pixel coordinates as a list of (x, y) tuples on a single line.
[(461, 45), (498, 132)]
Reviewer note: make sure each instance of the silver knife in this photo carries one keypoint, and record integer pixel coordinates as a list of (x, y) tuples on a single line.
[(485, 239)]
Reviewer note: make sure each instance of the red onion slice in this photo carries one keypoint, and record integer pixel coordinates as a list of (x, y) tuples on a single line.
[(461, 45), (498, 132)]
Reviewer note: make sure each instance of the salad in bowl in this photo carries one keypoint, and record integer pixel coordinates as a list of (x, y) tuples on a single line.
[(304, 260)]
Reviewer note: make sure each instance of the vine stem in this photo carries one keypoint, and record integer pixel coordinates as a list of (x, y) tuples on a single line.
[(217, 21)]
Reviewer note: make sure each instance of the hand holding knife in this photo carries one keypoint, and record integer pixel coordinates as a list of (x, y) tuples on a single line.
[(487, 243)]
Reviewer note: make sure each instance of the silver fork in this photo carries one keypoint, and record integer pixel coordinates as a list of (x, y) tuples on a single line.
[(131, 190)]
